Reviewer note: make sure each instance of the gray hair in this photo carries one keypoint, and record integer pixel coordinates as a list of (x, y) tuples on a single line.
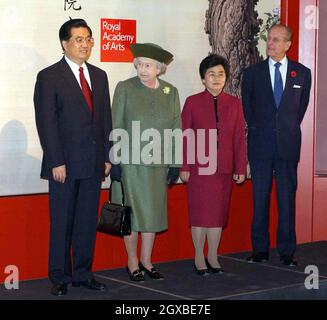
[(287, 29), (160, 65)]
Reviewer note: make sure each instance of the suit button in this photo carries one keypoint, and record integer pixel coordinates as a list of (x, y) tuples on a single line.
[(94, 142)]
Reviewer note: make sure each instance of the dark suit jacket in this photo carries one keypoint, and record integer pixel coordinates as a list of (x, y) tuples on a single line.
[(68, 132), (274, 131)]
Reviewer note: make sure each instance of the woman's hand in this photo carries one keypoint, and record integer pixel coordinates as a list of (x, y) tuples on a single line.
[(184, 175), (172, 176), (239, 178)]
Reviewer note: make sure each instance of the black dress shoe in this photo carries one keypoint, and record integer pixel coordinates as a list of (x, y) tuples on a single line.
[(136, 275), (258, 257), (200, 272), (91, 284), (59, 289), (153, 273), (288, 261), (212, 269)]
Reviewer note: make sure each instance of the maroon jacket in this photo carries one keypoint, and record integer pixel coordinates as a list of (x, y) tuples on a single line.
[(199, 113)]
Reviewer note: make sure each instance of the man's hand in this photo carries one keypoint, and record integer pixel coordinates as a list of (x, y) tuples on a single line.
[(184, 175), (239, 178), (107, 168), (59, 173)]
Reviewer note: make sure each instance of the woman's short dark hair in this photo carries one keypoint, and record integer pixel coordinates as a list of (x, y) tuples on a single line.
[(65, 29), (211, 61)]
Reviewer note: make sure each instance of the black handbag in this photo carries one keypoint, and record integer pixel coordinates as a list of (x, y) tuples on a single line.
[(115, 219)]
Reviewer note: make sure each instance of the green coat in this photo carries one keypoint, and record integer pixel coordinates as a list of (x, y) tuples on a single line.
[(145, 182), (157, 109)]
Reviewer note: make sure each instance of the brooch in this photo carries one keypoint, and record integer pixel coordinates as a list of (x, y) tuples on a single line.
[(166, 90)]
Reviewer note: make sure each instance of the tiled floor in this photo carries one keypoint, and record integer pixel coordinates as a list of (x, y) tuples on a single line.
[(241, 281)]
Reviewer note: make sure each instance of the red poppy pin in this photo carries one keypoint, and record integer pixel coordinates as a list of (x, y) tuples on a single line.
[(293, 74)]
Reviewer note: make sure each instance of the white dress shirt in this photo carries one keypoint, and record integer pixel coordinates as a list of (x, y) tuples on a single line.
[(75, 68), (282, 69)]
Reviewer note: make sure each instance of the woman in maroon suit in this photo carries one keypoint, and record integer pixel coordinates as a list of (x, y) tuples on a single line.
[(215, 119)]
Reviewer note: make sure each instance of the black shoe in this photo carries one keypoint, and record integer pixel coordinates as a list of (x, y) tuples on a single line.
[(200, 272), (59, 289), (258, 257), (153, 273), (212, 269), (91, 284), (288, 261), (137, 275)]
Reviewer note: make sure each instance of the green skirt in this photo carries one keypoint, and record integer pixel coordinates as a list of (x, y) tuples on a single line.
[(146, 192)]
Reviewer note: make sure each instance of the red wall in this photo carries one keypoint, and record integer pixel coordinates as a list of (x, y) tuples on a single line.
[(290, 11), (24, 233), (24, 220)]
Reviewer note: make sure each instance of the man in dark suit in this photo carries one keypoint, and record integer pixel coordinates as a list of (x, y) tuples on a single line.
[(275, 96), (73, 118)]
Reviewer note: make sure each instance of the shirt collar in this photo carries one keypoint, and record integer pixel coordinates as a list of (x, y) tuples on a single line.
[(74, 66), (209, 94), (283, 61)]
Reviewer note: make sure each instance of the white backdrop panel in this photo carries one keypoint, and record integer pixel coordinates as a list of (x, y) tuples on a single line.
[(29, 43)]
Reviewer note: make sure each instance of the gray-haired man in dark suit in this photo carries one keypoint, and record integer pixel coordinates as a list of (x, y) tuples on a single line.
[(275, 95)]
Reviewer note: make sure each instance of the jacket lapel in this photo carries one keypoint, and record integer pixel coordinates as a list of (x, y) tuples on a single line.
[(94, 85), (288, 85), (73, 84), (267, 84)]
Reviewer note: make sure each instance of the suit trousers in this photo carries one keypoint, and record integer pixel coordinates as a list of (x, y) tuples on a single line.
[(73, 222), (285, 173)]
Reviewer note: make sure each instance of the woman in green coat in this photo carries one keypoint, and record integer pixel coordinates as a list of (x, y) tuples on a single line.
[(146, 107)]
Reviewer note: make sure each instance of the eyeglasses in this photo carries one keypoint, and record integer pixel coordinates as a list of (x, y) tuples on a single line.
[(80, 40), (215, 75)]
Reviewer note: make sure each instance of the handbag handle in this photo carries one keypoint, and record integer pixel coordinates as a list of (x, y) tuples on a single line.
[(122, 191)]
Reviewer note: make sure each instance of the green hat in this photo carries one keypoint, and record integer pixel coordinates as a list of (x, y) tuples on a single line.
[(151, 50)]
